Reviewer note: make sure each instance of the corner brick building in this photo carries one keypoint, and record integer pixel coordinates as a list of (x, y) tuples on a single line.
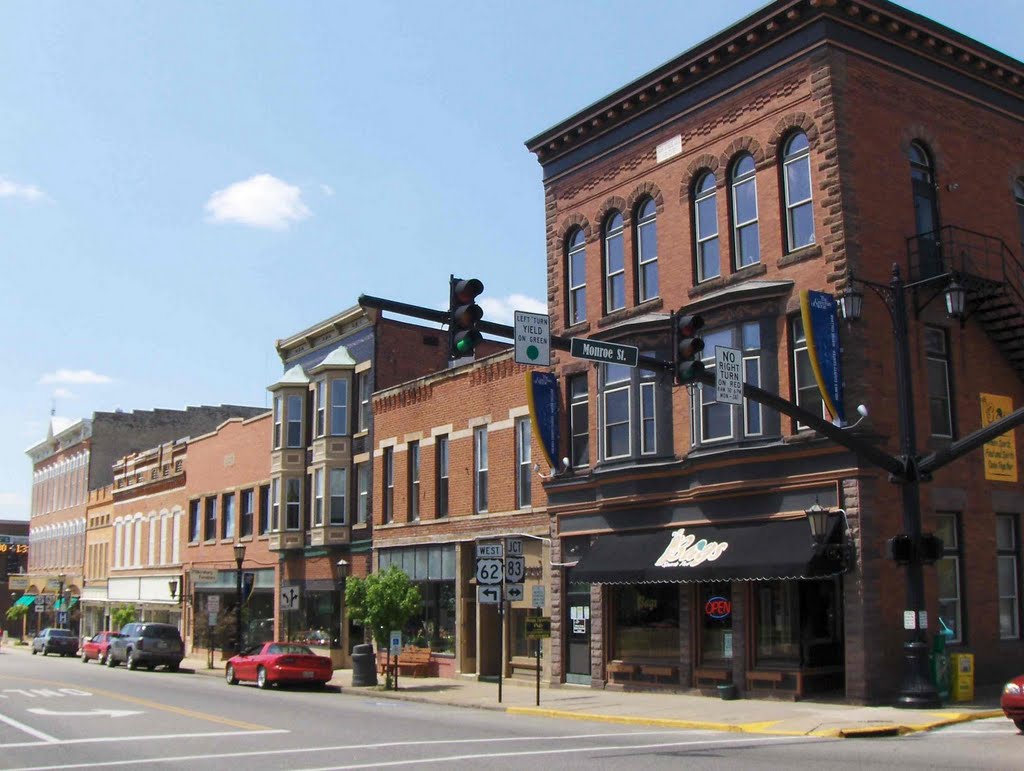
[(812, 144)]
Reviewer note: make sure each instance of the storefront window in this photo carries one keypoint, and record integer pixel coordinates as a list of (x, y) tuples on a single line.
[(318, 619), (432, 570), (778, 622), (646, 621), (716, 623)]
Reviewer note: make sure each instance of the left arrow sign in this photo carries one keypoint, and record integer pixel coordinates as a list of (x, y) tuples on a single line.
[(85, 713)]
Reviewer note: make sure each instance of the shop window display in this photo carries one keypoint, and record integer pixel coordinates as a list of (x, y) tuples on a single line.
[(646, 622), (715, 611)]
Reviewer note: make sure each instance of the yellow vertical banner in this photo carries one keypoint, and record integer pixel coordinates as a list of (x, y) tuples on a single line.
[(1001, 452)]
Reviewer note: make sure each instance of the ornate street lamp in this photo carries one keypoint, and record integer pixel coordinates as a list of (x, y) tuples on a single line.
[(239, 559), (917, 690)]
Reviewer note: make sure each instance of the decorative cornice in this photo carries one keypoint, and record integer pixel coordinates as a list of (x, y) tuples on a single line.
[(763, 29)]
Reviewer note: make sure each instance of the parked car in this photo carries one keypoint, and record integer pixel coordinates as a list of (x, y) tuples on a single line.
[(96, 647), (148, 644), (52, 640), (1012, 701), (278, 662)]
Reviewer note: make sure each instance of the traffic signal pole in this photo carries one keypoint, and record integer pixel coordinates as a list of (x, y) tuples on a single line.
[(861, 448)]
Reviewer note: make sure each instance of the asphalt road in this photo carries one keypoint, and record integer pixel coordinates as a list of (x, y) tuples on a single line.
[(60, 713)]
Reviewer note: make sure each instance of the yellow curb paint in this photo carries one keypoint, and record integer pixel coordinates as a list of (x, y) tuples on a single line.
[(147, 703)]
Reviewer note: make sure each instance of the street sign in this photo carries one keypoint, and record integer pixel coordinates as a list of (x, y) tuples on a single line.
[(62, 618), (538, 627), (396, 642), (44, 601), (488, 595), (290, 598), (533, 338), (488, 550), (213, 603), (203, 575), (599, 350), (515, 569), (728, 375), (514, 592), (514, 547), (537, 600), (488, 571)]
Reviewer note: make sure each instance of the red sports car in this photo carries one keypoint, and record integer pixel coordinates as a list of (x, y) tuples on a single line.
[(1012, 701), (278, 662), (98, 647)]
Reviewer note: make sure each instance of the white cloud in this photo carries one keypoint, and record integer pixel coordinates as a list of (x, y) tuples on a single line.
[(263, 201), (74, 377), (11, 189), (501, 310)]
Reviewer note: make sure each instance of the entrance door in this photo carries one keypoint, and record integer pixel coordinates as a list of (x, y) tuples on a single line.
[(577, 638)]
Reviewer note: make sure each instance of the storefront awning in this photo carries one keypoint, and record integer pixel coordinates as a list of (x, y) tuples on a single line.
[(26, 599), (60, 604), (753, 551)]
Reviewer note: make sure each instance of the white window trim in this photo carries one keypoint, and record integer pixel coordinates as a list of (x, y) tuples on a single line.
[(803, 156), (643, 261), (618, 232), (748, 178), (648, 386), (577, 315), (623, 385), (703, 238), (749, 403)]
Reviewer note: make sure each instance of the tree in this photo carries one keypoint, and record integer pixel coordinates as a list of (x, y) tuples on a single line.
[(122, 615), (382, 602), (18, 613)]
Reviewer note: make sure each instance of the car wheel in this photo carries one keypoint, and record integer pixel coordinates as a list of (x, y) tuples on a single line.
[(34, 651), (229, 675), (111, 661), (150, 667), (85, 658), (130, 662), (1019, 724), (261, 678), (173, 666), (103, 657)]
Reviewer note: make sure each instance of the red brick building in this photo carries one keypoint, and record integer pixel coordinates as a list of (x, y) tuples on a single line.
[(456, 462), (227, 490), (812, 144)]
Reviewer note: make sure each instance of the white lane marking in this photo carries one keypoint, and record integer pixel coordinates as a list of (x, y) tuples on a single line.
[(152, 737), (47, 739), (85, 713), (387, 745)]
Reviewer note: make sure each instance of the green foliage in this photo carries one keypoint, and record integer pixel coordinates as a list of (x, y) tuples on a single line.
[(382, 602), (17, 612), (121, 616)]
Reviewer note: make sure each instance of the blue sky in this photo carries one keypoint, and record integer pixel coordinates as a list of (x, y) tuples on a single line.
[(183, 183)]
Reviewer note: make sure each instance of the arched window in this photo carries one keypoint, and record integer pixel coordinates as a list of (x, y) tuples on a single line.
[(614, 264), (926, 211), (576, 271), (646, 251), (1018, 195), (746, 241), (796, 172), (705, 215)]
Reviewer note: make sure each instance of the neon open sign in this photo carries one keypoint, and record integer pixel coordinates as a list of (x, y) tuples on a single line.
[(718, 607)]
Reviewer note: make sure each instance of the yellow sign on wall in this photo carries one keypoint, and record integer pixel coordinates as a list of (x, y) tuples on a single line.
[(1001, 452)]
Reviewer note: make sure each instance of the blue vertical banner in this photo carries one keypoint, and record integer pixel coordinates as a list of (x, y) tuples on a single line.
[(821, 329), (542, 396), (248, 582)]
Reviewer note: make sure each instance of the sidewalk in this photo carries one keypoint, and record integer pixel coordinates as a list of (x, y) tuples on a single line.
[(666, 710)]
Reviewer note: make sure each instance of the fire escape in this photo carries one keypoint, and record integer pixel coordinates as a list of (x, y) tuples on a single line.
[(992, 278)]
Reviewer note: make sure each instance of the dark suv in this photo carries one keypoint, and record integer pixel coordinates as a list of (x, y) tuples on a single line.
[(51, 640), (148, 644)]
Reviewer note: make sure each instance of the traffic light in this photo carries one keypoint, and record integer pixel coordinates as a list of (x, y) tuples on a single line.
[(901, 549), (463, 315), (686, 347), (931, 548)]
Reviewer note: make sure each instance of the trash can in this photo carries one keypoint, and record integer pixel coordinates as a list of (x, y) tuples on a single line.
[(963, 673), (364, 666), (939, 666)]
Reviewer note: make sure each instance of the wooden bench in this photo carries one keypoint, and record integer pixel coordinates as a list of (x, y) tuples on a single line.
[(414, 661), (619, 671), (716, 676), (772, 679), (659, 671)]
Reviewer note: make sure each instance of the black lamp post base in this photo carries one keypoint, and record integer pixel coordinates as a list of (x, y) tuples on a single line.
[(918, 691)]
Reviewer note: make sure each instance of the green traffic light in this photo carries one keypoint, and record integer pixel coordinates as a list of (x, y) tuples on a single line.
[(466, 341)]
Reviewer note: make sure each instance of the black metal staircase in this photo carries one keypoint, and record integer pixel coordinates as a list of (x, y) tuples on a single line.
[(989, 272)]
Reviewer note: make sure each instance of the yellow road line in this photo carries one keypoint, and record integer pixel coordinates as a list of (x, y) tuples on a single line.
[(146, 703)]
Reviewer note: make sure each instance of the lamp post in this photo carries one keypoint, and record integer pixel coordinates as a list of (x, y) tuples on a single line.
[(59, 602), (917, 690), (239, 558), (342, 576)]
